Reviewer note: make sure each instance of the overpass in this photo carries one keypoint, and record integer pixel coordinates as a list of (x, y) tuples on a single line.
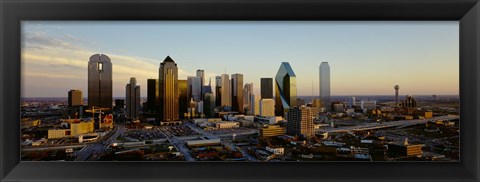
[(390, 124)]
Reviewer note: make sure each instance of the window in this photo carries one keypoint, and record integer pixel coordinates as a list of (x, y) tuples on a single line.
[(100, 66)]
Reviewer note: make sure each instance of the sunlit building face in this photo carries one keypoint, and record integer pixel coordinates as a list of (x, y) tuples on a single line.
[(168, 91)]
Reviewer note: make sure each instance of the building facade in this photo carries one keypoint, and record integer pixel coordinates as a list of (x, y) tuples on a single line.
[(267, 107), (285, 89), (255, 104), (132, 97), (324, 84), (237, 92), (225, 91), (152, 95), (247, 95), (194, 88), (266, 88), (183, 98), (218, 91), (300, 122), (100, 81), (168, 91), (75, 98)]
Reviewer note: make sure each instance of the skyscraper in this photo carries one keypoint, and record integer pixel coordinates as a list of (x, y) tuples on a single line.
[(237, 92), (152, 95), (324, 85), (168, 91), (75, 98), (255, 102), (183, 97), (300, 122), (100, 81), (247, 96), (285, 89), (266, 88), (208, 105), (218, 91), (132, 96), (194, 88), (225, 91), (201, 75)]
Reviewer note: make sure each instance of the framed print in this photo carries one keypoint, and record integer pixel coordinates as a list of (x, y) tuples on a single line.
[(239, 90)]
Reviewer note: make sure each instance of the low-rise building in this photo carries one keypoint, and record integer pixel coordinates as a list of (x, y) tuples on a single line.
[(276, 150), (58, 133), (81, 128), (272, 130), (227, 125)]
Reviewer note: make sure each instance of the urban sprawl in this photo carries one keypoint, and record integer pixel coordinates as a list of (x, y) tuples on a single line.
[(189, 120)]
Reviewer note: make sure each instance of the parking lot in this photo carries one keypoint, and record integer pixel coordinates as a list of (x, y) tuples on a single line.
[(142, 135), (178, 130)]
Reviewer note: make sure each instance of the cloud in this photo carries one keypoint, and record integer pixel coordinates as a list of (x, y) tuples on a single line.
[(66, 56)]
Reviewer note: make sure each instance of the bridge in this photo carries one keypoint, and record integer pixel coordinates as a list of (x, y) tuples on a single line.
[(390, 124)]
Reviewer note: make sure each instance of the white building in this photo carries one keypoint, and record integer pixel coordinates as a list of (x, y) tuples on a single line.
[(227, 125), (276, 150), (324, 85)]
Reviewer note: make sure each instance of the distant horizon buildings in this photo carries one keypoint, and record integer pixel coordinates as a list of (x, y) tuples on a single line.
[(100, 81), (285, 89), (324, 84), (132, 98), (168, 91)]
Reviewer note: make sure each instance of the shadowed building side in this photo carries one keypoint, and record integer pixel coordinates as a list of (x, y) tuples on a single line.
[(237, 92)]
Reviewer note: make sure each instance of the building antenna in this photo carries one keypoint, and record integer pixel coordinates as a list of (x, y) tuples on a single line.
[(225, 70)]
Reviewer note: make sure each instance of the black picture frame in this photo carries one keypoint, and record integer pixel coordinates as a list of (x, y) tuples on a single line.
[(12, 12)]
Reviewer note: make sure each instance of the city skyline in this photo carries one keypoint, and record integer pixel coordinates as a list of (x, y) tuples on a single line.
[(50, 50)]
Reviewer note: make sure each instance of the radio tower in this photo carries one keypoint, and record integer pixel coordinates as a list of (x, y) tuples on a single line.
[(396, 94)]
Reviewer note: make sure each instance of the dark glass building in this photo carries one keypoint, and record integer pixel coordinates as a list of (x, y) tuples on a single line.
[(218, 91), (285, 89), (168, 91), (266, 88), (237, 92), (152, 95), (100, 81), (183, 98)]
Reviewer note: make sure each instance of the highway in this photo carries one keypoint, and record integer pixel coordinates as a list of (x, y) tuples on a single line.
[(402, 123), (93, 151), (179, 144), (224, 142)]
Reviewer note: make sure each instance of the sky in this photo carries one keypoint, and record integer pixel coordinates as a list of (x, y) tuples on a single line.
[(365, 57)]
